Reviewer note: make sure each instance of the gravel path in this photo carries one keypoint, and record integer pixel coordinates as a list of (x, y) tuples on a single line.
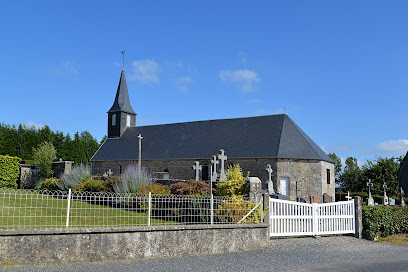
[(339, 253)]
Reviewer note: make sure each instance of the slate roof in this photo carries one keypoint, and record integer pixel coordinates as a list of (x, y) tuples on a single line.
[(271, 136), (122, 102)]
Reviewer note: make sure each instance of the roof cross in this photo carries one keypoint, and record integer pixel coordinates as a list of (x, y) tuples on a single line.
[(123, 59)]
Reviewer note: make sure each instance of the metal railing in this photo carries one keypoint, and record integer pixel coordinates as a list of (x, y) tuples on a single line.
[(60, 209)]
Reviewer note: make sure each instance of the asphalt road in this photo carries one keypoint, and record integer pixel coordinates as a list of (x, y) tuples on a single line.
[(339, 253)]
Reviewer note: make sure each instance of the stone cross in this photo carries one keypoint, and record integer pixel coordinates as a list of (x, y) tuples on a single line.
[(108, 174), (140, 152), (370, 200), (269, 181), (401, 195), (370, 185), (214, 161), (348, 196), (385, 197), (197, 167), (222, 157)]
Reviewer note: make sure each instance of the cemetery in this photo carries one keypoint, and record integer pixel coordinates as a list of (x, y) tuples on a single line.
[(226, 184)]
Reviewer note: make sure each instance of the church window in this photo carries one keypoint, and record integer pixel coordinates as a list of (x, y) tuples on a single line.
[(328, 176), (113, 119), (128, 120)]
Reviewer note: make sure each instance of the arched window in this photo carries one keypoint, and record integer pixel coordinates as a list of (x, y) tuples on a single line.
[(113, 119)]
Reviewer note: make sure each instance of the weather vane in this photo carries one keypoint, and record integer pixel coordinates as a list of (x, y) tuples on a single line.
[(123, 59)]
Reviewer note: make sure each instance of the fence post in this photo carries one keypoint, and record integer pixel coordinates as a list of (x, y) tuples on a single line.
[(314, 219), (358, 217), (68, 206), (265, 206), (212, 209), (150, 209)]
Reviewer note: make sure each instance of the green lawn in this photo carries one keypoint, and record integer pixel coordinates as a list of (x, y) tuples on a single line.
[(23, 209)]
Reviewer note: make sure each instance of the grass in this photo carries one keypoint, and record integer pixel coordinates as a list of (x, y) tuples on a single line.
[(34, 210), (396, 239)]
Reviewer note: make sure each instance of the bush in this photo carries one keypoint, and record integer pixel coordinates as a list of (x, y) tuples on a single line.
[(235, 184), (50, 184), (234, 211), (44, 155), (382, 221), (76, 176), (156, 189), (9, 171), (193, 187), (93, 185), (132, 179)]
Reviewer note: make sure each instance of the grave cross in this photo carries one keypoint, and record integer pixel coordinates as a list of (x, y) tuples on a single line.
[(348, 195), (197, 167), (222, 157), (214, 161), (140, 152), (108, 174), (385, 188), (401, 195), (370, 185), (269, 182)]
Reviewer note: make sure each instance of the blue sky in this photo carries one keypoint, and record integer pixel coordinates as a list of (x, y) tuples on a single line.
[(338, 68)]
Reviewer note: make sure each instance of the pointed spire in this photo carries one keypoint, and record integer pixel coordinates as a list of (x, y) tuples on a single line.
[(122, 102)]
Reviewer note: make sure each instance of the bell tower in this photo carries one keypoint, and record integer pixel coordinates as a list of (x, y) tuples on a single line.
[(121, 115)]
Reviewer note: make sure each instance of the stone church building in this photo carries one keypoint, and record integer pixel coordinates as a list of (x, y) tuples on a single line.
[(300, 167)]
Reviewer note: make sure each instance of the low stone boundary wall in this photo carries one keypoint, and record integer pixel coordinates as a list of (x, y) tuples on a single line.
[(45, 246)]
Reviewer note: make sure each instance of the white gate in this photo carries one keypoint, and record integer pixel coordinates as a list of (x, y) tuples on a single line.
[(288, 218)]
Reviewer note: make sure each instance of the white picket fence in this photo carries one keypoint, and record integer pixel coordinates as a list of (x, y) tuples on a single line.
[(288, 218)]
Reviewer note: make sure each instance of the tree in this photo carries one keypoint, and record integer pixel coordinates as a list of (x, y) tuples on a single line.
[(337, 165), (380, 171), (350, 179), (235, 184), (44, 155)]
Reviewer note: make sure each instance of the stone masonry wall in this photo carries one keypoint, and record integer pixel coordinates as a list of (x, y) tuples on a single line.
[(310, 175)]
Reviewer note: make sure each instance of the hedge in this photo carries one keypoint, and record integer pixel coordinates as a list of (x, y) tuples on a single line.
[(9, 171), (382, 221)]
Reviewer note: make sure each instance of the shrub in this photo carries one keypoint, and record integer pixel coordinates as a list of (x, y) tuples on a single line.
[(44, 155), (50, 184), (76, 176), (93, 185), (382, 221), (193, 187), (9, 171), (156, 189), (235, 210), (132, 179), (235, 184)]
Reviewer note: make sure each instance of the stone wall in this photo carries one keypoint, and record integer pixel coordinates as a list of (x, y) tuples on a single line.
[(25, 247), (310, 175), (29, 175)]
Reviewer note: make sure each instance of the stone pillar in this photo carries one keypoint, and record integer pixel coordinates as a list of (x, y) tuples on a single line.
[(358, 217), (266, 207), (255, 189)]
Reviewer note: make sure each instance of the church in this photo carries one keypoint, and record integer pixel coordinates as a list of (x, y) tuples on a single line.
[(169, 151)]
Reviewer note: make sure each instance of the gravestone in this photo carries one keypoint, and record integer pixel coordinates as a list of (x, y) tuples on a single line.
[(299, 199), (385, 197), (269, 181), (61, 167), (314, 199), (255, 189), (370, 200), (391, 201), (222, 157)]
